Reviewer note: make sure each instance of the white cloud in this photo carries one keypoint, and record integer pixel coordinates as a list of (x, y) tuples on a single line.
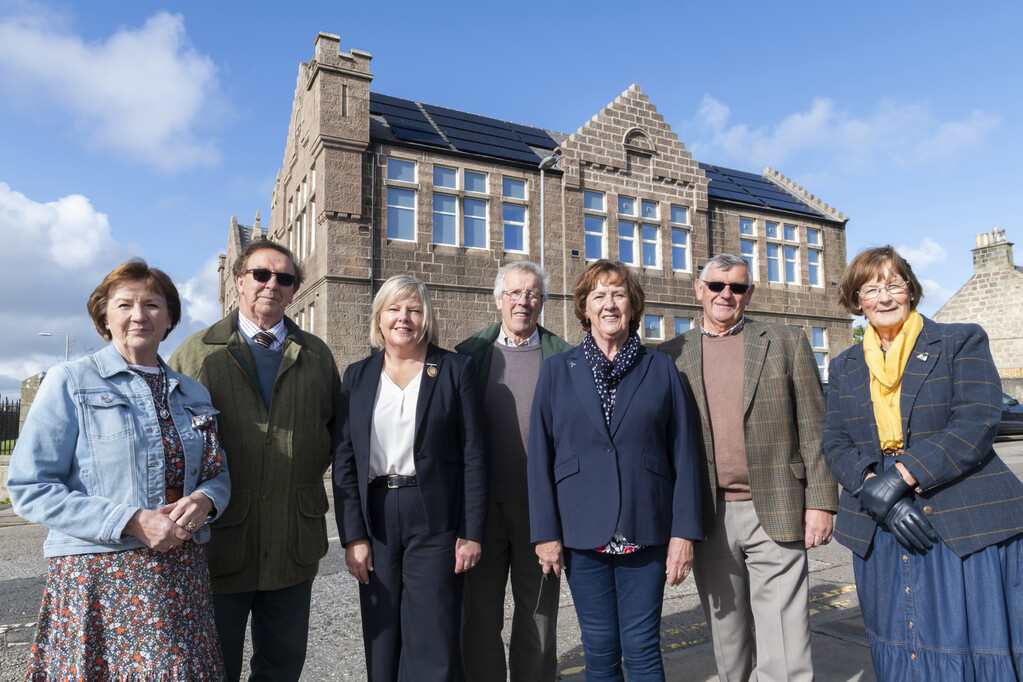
[(935, 296), (200, 296), (55, 253), (927, 253), (902, 135), (141, 92)]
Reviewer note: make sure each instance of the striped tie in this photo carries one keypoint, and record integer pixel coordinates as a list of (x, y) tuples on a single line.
[(264, 339)]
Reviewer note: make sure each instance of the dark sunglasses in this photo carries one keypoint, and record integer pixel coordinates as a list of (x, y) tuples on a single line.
[(263, 275), (718, 287)]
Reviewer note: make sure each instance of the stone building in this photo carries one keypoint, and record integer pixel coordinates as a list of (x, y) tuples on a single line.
[(991, 298), (373, 185)]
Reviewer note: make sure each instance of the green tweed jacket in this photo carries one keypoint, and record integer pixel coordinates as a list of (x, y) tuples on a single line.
[(783, 412), (273, 532), (480, 347)]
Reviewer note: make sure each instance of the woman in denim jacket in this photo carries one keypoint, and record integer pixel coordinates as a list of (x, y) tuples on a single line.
[(119, 458)]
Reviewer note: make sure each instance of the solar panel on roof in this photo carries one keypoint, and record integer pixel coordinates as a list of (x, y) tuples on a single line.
[(411, 135)]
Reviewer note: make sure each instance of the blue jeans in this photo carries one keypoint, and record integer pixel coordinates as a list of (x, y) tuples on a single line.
[(618, 602)]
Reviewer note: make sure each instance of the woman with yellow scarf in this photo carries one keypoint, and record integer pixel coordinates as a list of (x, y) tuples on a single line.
[(934, 518)]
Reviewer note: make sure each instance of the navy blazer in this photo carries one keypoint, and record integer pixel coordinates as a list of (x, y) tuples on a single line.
[(450, 451), (639, 476), (950, 405)]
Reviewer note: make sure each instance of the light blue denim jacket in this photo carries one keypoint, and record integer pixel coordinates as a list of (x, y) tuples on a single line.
[(91, 454)]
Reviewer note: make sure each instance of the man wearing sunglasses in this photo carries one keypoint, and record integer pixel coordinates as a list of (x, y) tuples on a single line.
[(767, 493), (277, 388)]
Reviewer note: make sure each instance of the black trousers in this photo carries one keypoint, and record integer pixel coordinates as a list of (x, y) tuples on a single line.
[(280, 629), (412, 604)]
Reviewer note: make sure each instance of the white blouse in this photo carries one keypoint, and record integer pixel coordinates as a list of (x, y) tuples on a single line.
[(393, 432)]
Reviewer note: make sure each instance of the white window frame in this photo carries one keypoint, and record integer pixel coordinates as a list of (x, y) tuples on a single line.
[(654, 244), (821, 352), (401, 186), (466, 218), (752, 262), (590, 215), (453, 214), (660, 327), (674, 325), (629, 238), (790, 261)]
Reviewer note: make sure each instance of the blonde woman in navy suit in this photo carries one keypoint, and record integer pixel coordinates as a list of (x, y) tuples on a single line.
[(934, 518), (410, 486), (614, 495)]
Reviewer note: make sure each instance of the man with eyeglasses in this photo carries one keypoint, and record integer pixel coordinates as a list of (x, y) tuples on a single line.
[(508, 356), (767, 492), (277, 388)]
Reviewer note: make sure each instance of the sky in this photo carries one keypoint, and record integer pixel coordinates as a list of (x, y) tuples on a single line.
[(138, 129)]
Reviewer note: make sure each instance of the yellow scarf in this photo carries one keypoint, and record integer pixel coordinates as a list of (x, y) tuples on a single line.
[(886, 377)]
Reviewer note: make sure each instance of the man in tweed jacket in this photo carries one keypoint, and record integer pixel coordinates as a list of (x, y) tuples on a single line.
[(767, 493)]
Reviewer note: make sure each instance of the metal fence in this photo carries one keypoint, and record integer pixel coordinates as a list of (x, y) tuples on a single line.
[(10, 412)]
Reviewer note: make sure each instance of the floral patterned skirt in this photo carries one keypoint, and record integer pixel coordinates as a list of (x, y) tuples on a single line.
[(131, 615)]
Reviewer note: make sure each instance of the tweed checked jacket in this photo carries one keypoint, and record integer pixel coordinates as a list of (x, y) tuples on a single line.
[(950, 405), (783, 409)]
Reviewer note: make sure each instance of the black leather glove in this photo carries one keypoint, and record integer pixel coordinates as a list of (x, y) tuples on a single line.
[(909, 526), (878, 494)]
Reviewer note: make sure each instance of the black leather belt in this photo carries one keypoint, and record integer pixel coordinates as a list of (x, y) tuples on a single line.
[(394, 481)]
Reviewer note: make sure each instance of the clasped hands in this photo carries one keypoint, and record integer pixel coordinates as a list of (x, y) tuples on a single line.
[(888, 499)]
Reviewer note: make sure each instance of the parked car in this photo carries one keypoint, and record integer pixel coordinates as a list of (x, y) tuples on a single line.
[(1012, 417)]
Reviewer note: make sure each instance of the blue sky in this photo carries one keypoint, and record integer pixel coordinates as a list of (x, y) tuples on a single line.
[(139, 129)]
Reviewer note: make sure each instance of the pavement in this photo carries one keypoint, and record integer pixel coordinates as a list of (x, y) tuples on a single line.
[(839, 644)]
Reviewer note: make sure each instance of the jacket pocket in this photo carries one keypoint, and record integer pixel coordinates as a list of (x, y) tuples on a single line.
[(226, 549), (656, 465), (311, 534), (798, 470), (563, 470), (107, 416)]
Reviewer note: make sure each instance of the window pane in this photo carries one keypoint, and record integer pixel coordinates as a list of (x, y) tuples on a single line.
[(817, 334), (679, 244), (401, 170), (652, 326), (679, 214), (626, 229), (649, 209), (593, 201), (746, 253), (445, 219), (682, 325), (649, 255), (790, 233), (626, 205), (771, 230), (513, 188), (514, 227), (445, 177), (626, 235), (514, 214), (745, 226), (594, 225), (475, 223), (813, 236), (475, 182), (649, 233), (773, 264), (594, 247), (813, 258), (790, 264), (401, 214)]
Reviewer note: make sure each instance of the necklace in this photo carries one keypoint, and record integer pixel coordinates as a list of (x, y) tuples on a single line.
[(160, 396)]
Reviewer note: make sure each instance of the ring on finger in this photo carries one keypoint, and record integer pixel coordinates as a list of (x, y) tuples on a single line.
[(191, 525)]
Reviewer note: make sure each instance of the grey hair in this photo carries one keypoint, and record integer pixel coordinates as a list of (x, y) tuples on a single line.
[(395, 289), (725, 261), (522, 266)]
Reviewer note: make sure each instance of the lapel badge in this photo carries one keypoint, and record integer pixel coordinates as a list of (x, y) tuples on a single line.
[(431, 369), (571, 363), (922, 357)]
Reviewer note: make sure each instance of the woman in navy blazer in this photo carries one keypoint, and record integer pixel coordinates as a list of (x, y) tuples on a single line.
[(933, 516), (410, 486), (613, 481)]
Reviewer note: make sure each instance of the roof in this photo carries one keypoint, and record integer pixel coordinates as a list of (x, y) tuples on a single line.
[(415, 124)]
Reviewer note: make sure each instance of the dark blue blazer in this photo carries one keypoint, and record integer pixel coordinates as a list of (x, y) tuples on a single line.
[(450, 446), (640, 475), (951, 406)]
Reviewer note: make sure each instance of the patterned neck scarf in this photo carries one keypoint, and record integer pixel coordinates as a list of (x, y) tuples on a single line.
[(608, 373)]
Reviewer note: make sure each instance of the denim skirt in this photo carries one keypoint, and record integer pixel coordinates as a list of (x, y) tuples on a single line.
[(935, 616)]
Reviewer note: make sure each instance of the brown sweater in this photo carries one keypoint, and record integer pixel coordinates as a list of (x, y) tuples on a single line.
[(722, 381)]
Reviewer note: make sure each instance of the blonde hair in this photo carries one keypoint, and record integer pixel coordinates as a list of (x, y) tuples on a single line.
[(395, 289)]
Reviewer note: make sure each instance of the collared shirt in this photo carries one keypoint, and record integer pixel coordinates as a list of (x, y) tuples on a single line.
[(250, 329), (731, 332), (505, 340)]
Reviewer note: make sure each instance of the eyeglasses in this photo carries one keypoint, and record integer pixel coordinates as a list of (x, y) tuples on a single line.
[(718, 287), (517, 295), (870, 293), (262, 275)]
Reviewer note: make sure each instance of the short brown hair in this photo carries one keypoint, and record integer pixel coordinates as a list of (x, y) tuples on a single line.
[(873, 263), (134, 270), (238, 270), (616, 274)]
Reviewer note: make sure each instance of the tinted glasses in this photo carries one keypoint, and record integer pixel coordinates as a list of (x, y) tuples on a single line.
[(263, 275), (718, 287)]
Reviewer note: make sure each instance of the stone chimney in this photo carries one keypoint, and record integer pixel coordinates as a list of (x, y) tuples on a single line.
[(993, 253)]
